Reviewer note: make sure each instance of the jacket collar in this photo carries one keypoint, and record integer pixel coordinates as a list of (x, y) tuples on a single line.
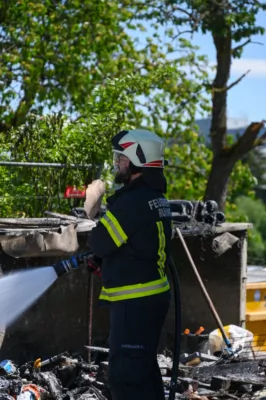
[(135, 183)]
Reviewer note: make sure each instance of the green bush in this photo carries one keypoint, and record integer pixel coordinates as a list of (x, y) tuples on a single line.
[(254, 211)]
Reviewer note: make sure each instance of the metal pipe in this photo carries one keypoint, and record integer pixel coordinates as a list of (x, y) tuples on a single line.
[(204, 291), (243, 282), (90, 287), (52, 165), (44, 165), (99, 171), (177, 334), (90, 312)]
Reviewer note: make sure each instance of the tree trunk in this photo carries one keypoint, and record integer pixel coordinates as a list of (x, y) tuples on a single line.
[(222, 167), (219, 93), (223, 163)]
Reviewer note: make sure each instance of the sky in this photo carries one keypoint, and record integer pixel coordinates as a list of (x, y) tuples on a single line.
[(247, 100)]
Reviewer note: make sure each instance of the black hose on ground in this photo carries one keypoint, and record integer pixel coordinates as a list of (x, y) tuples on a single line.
[(177, 337)]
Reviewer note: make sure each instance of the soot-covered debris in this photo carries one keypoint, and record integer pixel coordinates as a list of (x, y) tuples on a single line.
[(66, 377)]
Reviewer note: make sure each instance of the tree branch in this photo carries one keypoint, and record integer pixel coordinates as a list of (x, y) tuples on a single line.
[(224, 89), (182, 33), (261, 140), (23, 108), (189, 14), (239, 47), (238, 80), (4, 127), (247, 141)]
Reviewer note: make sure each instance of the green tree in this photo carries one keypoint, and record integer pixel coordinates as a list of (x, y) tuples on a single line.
[(54, 53), (256, 159), (80, 57), (254, 211), (112, 107), (231, 25), (190, 165)]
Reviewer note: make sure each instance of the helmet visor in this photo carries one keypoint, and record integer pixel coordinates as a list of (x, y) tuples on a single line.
[(119, 158)]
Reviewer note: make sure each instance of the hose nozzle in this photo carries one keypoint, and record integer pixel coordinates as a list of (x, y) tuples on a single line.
[(65, 266)]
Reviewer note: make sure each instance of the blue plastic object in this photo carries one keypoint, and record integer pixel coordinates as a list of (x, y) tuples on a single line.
[(8, 366)]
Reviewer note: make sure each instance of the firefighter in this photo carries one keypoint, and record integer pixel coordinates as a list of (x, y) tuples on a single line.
[(132, 246)]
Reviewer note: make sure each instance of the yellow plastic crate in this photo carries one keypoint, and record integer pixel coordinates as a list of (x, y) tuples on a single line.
[(256, 314)]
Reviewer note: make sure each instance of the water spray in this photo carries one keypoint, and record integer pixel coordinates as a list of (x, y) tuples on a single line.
[(19, 290)]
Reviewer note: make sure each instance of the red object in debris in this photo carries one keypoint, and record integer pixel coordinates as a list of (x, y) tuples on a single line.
[(74, 192), (31, 392)]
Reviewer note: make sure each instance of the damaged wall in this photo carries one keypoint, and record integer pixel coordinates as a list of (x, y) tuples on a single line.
[(58, 321)]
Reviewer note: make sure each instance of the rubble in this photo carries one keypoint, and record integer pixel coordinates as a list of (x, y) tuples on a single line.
[(66, 377)]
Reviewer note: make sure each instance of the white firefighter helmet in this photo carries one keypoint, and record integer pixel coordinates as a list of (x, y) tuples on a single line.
[(143, 147)]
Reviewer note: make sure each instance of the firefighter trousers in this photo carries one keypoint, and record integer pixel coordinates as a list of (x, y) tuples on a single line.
[(135, 328)]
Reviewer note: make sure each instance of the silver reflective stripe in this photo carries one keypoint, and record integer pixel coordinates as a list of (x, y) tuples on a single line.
[(112, 225), (132, 291)]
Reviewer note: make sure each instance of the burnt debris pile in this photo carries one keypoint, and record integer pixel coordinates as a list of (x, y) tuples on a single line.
[(61, 378), (66, 377)]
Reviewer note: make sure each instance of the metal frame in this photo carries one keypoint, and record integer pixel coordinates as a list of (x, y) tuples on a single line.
[(45, 165)]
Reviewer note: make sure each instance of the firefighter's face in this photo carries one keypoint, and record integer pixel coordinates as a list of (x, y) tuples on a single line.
[(121, 164)]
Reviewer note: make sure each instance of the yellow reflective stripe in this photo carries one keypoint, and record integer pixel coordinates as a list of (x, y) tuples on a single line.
[(110, 231), (134, 296), (135, 291), (137, 286), (161, 248), (117, 225), (114, 228)]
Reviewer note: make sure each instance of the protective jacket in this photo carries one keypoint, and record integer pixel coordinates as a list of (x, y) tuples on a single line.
[(133, 238)]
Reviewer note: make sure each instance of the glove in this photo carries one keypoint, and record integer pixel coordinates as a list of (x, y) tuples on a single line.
[(94, 263), (94, 194), (65, 266)]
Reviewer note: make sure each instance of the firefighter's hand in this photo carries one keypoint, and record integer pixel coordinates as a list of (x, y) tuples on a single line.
[(94, 194), (94, 264)]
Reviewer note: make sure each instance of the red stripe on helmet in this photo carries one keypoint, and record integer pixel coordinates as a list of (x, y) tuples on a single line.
[(156, 163), (127, 144)]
